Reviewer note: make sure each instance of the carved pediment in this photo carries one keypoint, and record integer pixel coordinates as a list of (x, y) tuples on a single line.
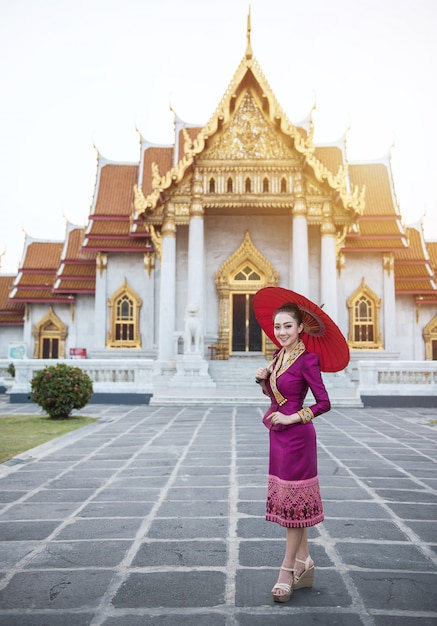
[(249, 136)]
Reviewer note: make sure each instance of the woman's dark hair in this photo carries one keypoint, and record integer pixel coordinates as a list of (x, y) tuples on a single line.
[(292, 309)]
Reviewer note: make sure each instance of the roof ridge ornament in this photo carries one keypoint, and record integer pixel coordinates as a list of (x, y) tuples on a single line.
[(249, 51)]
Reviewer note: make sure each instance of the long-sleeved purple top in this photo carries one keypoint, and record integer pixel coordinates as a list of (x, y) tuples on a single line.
[(293, 384)]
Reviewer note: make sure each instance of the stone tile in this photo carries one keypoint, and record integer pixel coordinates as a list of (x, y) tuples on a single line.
[(64, 554), (376, 530), (415, 511), (404, 620), (199, 618), (405, 495), (11, 496), (259, 527), (57, 590), (351, 509), (47, 619), (382, 556), (34, 510), (213, 508), (60, 495), (393, 590), (107, 528), (116, 509), (253, 589), (188, 528), (198, 493), (211, 553), (269, 553), (12, 552), (171, 589), (127, 495), (283, 616), (26, 531)]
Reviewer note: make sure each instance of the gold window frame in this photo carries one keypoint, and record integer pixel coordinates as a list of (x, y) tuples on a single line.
[(373, 320), (125, 291)]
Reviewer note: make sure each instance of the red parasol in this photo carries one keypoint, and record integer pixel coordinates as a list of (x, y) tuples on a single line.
[(321, 334)]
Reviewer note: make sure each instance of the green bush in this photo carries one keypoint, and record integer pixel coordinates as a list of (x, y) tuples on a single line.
[(11, 370), (60, 388)]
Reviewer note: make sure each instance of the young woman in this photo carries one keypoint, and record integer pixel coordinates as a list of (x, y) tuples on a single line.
[(293, 496)]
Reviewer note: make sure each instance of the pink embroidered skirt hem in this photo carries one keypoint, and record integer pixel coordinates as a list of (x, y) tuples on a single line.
[(294, 504)]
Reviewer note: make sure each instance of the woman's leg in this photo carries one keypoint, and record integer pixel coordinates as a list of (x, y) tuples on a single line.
[(302, 553), (293, 540)]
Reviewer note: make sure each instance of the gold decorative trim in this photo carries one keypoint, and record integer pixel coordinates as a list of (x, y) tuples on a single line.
[(246, 254), (124, 291), (49, 327), (101, 262), (149, 262), (250, 82), (430, 337), (388, 262), (364, 297)]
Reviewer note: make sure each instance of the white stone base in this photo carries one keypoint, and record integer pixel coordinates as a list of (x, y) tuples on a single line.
[(191, 371)]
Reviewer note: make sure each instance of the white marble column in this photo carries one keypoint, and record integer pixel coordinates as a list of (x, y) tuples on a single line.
[(196, 256), (328, 273), (167, 298), (101, 320), (300, 269), (389, 302)]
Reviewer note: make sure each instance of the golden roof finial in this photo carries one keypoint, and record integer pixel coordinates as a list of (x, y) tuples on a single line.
[(249, 53)]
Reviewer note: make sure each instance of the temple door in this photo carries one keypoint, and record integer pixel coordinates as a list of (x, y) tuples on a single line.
[(246, 332)]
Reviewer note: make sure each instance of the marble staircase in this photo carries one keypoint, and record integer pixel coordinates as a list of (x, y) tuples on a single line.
[(235, 384)]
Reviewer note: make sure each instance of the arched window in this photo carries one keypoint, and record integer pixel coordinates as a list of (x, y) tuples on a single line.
[(230, 185), (247, 273), (430, 336), (364, 318), (266, 185), (283, 185), (248, 185), (49, 336), (211, 185), (124, 309)]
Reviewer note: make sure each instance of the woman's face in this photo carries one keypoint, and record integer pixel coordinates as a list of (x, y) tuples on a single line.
[(287, 330)]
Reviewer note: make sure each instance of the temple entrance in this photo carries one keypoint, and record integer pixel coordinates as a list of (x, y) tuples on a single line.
[(240, 277), (49, 336), (246, 332)]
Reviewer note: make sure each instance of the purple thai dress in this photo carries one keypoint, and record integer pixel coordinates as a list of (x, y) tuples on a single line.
[(293, 494)]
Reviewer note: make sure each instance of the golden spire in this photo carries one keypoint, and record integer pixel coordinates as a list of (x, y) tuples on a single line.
[(249, 53)]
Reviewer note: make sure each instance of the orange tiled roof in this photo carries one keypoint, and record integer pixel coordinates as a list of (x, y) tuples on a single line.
[(376, 178), (130, 244), (11, 313), (115, 190), (431, 246), (72, 286), (413, 270), (379, 228), (77, 271), (43, 255), (73, 250), (37, 274), (109, 226), (163, 157), (330, 156)]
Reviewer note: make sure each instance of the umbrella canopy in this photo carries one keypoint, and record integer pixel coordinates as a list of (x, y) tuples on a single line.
[(320, 335)]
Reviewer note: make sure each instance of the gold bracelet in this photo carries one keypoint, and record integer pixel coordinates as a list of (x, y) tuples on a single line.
[(306, 415)]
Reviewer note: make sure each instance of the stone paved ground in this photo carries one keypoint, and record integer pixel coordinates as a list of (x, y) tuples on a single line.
[(155, 515)]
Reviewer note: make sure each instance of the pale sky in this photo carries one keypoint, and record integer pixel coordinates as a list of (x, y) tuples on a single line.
[(82, 73)]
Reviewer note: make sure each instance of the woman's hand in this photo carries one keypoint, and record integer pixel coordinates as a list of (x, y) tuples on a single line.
[(286, 420), (261, 374)]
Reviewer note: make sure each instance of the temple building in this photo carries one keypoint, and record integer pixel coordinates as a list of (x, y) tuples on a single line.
[(177, 244)]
